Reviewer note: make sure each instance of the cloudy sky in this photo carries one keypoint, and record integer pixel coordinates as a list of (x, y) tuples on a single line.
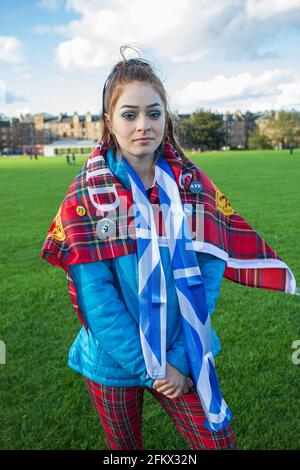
[(221, 54)]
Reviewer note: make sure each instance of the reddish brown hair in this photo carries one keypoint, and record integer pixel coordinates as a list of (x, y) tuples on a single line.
[(125, 72)]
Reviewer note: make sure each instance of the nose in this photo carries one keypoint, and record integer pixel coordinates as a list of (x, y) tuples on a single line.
[(143, 123)]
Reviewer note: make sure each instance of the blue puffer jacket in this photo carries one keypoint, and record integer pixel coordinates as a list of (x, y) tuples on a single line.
[(111, 354)]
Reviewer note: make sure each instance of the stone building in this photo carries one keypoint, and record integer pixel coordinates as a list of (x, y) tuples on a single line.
[(43, 129), (237, 128), (65, 126), (5, 133)]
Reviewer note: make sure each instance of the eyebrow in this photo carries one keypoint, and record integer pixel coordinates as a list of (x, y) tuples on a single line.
[(130, 106)]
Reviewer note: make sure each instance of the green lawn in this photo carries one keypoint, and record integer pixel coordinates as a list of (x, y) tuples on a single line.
[(44, 404)]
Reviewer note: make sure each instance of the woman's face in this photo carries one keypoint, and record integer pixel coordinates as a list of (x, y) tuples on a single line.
[(138, 114)]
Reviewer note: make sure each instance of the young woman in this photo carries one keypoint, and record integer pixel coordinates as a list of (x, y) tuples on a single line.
[(145, 238)]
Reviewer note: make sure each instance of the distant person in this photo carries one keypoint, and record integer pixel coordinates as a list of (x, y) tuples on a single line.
[(145, 300), (68, 159), (73, 159)]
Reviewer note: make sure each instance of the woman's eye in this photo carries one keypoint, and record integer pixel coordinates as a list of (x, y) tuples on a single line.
[(155, 114), (128, 115)]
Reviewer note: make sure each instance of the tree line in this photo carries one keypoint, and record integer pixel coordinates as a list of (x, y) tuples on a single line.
[(204, 129), (281, 130)]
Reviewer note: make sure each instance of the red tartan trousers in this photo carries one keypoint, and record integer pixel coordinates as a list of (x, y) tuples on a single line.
[(120, 411)]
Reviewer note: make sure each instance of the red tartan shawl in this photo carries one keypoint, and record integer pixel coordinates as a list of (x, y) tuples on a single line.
[(97, 202)]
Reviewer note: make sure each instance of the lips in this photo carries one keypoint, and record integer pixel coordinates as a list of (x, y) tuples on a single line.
[(143, 140)]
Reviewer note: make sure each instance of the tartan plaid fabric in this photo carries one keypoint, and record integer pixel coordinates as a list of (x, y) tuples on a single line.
[(96, 195), (120, 411)]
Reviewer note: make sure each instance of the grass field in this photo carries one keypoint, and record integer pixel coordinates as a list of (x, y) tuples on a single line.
[(44, 404)]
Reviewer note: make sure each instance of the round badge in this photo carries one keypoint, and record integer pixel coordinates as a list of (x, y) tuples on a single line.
[(105, 228), (80, 210), (196, 187)]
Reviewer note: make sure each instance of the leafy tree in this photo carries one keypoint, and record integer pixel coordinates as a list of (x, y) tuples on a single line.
[(284, 128), (203, 128), (259, 141)]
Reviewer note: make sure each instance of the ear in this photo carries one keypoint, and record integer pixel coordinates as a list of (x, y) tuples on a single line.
[(107, 121)]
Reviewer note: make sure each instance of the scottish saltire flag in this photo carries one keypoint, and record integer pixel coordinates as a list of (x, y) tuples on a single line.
[(152, 284), (189, 288)]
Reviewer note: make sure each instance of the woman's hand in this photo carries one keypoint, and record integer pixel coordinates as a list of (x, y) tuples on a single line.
[(188, 384), (174, 384)]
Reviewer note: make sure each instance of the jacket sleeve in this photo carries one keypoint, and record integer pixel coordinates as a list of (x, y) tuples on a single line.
[(176, 356), (212, 270), (107, 317)]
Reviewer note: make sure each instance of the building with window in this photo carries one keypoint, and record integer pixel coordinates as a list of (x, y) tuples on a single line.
[(237, 127)]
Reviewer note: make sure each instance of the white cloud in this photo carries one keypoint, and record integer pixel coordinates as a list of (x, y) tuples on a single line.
[(22, 111), (22, 72), (280, 87), (257, 106), (26, 76), (77, 52), (290, 95), (267, 8), (11, 50), (95, 39), (176, 30), (228, 88)]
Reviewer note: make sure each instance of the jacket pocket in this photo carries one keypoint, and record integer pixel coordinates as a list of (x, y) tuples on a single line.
[(90, 350), (105, 361)]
